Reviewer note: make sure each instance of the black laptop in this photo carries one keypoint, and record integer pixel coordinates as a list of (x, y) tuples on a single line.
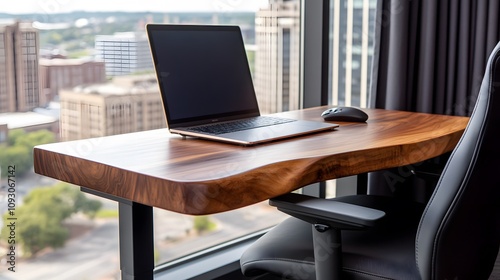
[(207, 90)]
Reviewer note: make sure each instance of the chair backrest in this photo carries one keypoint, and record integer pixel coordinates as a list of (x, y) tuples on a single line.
[(459, 233)]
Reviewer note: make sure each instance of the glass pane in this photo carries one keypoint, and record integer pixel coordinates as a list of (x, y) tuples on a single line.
[(72, 53), (352, 26), (271, 36), (351, 50), (276, 75)]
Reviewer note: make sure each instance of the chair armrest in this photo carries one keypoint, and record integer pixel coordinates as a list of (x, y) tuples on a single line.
[(336, 214)]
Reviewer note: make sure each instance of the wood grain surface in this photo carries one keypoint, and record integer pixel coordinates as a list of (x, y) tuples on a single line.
[(197, 177)]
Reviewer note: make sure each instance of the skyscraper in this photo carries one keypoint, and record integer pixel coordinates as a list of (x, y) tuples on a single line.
[(19, 82), (277, 36), (124, 53), (351, 50), (277, 64)]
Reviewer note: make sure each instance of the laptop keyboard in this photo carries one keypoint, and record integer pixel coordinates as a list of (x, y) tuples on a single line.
[(226, 127)]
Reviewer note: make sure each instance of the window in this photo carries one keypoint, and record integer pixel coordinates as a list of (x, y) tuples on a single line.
[(273, 44), (272, 35), (176, 235), (351, 26)]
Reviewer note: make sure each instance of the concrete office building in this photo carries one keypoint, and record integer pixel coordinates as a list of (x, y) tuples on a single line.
[(19, 82), (56, 74), (124, 53), (277, 36), (127, 104)]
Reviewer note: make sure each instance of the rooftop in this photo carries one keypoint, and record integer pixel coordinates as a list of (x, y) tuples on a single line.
[(121, 85), (125, 36), (26, 119), (66, 61)]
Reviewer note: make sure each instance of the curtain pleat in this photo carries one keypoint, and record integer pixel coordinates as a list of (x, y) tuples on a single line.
[(430, 56), (452, 29)]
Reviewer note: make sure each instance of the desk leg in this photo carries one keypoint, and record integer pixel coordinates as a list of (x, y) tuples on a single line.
[(362, 183), (136, 240)]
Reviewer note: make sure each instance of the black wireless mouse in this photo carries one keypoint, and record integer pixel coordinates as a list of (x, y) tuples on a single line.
[(344, 114)]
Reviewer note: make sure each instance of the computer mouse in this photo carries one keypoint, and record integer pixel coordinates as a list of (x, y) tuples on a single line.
[(344, 114)]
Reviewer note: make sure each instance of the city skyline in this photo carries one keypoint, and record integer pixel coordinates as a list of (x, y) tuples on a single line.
[(65, 6), (100, 107)]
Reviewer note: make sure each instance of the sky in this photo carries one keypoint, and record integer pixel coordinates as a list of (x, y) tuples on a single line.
[(63, 6)]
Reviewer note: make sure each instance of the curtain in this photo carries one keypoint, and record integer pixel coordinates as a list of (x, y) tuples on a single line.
[(429, 56)]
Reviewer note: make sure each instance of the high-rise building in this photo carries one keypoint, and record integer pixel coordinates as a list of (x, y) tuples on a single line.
[(126, 104), (277, 64), (57, 73), (351, 46), (19, 83), (124, 53), (277, 32)]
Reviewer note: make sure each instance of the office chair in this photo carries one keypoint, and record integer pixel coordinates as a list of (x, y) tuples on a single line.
[(456, 235)]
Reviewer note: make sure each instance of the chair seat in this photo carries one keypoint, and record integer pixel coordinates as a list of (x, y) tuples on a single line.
[(384, 252)]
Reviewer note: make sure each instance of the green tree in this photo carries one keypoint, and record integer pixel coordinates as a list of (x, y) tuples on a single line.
[(19, 149), (42, 214), (203, 223), (55, 38), (32, 139), (18, 156), (38, 230), (14, 135)]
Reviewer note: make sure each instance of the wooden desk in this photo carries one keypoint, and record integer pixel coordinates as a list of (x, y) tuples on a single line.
[(155, 168)]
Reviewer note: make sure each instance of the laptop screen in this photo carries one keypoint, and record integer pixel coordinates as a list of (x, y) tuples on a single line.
[(202, 72)]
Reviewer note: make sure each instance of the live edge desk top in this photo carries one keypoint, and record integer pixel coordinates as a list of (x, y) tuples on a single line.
[(194, 176)]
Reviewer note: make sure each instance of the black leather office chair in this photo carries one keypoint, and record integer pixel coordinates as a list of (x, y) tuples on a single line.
[(455, 236)]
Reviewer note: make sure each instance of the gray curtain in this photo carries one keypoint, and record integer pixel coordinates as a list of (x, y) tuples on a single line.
[(429, 57)]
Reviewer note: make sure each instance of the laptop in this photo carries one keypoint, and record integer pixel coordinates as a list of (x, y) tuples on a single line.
[(207, 90)]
